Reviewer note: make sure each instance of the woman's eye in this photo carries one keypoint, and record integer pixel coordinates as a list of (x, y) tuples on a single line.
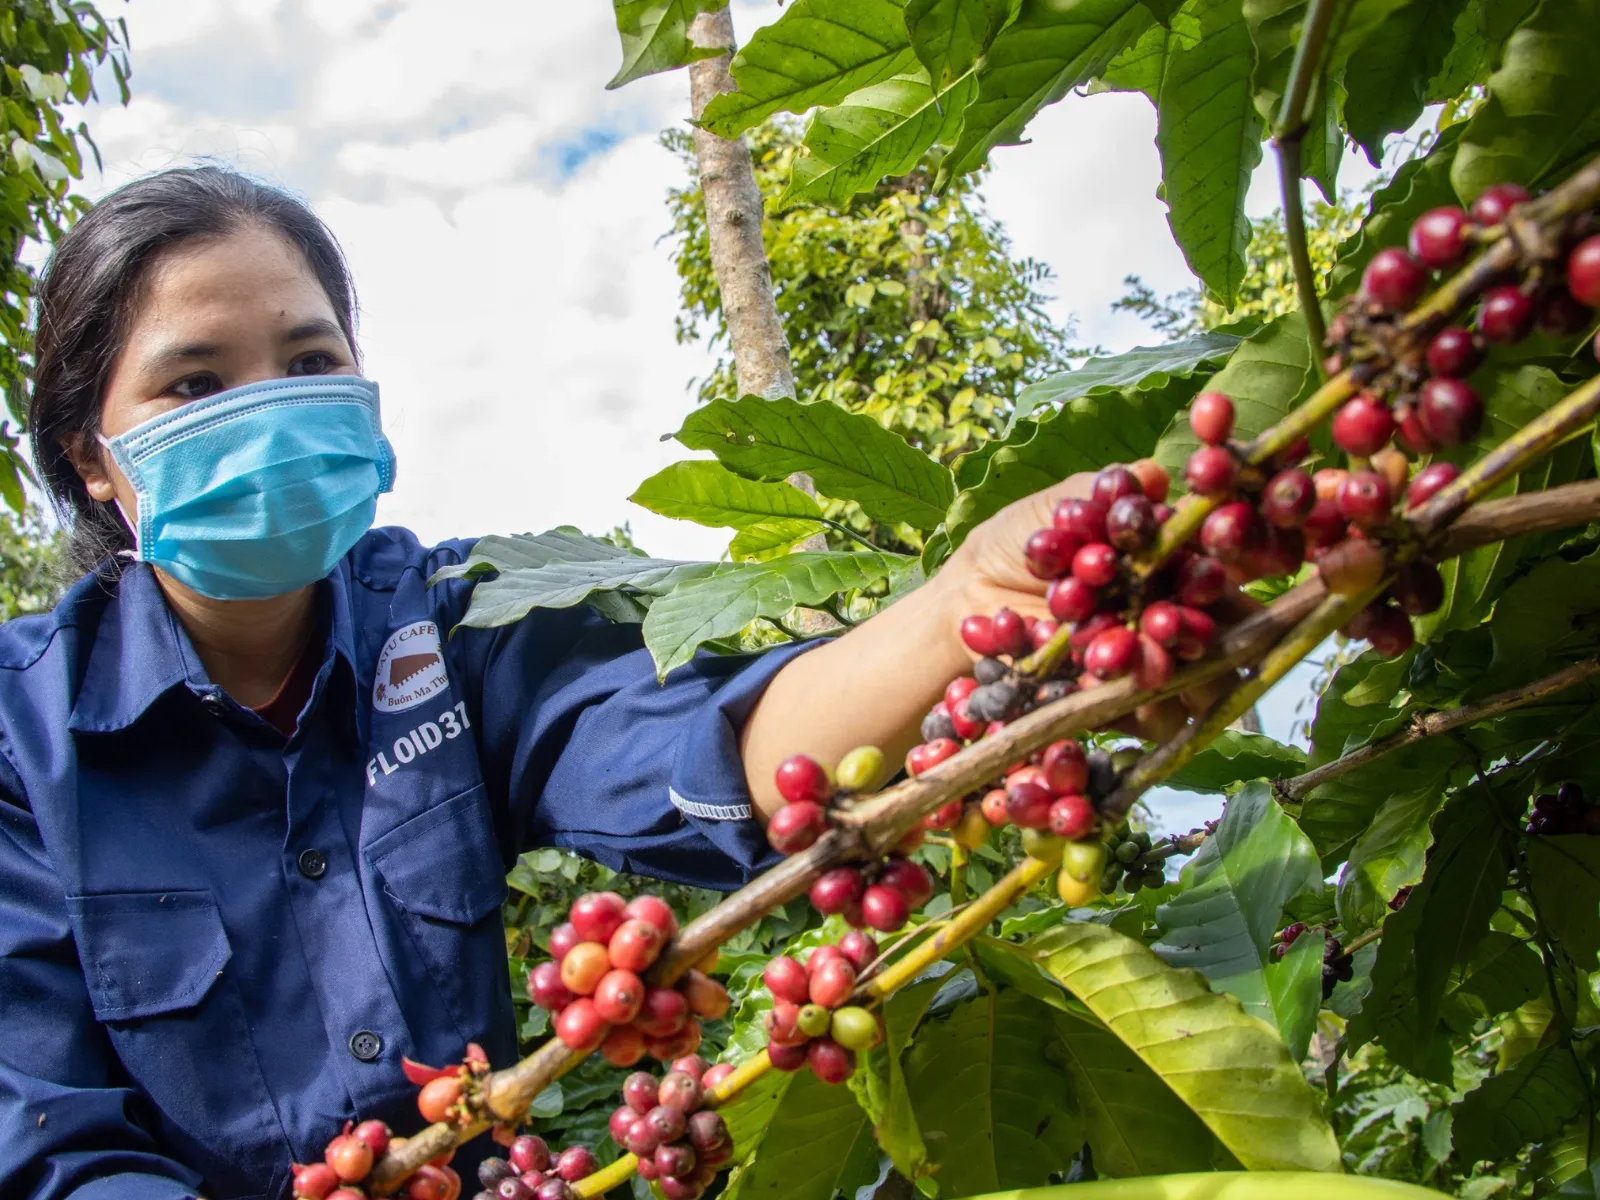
[(193, 387), (316, 362)]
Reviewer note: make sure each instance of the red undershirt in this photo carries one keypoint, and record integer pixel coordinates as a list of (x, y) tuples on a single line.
[(282, 712)]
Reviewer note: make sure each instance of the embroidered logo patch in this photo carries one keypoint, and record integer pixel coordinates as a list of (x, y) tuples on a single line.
[(410, 669)]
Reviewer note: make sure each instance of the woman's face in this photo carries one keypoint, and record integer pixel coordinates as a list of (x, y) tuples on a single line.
[(215, 315)]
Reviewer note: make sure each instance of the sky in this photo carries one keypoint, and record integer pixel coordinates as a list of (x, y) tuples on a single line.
[(503, 215)]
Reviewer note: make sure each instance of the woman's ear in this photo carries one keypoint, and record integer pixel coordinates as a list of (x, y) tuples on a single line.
[(85, 457)]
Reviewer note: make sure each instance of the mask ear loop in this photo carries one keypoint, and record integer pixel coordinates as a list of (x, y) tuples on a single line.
[(131, 525)]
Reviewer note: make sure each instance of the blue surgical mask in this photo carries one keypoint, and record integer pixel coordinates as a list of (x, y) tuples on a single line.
[(259, 490)]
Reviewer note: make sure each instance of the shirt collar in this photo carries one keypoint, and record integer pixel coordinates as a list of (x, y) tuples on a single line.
[(140, 651)]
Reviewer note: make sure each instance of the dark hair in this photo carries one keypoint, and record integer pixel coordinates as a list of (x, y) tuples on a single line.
[(90, 289)]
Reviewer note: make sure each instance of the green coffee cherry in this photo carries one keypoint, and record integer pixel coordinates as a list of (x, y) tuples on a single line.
[(1046, 847), (859, 770), (1127, 852), (813, 1020), (854, 1028)]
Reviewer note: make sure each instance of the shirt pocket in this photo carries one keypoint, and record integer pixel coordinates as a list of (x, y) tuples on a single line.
[(441, 874), (155, 964)]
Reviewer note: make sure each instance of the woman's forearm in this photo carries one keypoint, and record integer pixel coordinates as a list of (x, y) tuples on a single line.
[(870, 686)]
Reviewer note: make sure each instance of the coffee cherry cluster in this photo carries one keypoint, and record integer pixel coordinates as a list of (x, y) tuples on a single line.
[(1337, 966), (880, 895), (680, 1144), (1566, 810), (348, 1160), (811, 1023), (595, 985), (530, 1172), (1129, 861)]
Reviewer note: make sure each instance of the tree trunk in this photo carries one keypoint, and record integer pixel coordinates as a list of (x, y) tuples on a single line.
[(734, 215), (733, 219)]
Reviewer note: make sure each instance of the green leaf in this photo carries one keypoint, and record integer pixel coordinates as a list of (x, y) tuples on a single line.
[(1528, 1103), (1505, 974), (1209, 135), (1142, 369), (1542, 616), (1389, 853), (1566, 882), (1543, 111), (769, 539), (1086, 434), (993, 1112), (1233, 894), (809, 1140), (897, 1129), (1267, 376), (1237, 757), (1294, 984), (849, 456), (881, 131), (557, 570), (950, 35), (1052, 47), (707, 493), (721, 604), (1231, 1069), (1387, 76), (655, 36), (816, 53)]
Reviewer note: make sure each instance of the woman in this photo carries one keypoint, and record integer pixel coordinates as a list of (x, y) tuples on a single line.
[(256, 806)]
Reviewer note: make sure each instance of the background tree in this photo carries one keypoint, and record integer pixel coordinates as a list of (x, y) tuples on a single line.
[(905, 304), (49, 52)]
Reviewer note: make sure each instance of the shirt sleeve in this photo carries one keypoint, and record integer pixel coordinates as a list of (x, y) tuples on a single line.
[(591, 753), (68, 1126)]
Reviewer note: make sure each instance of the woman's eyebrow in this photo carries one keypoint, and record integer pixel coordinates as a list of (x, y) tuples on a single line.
[(314, 328), (174, 355)]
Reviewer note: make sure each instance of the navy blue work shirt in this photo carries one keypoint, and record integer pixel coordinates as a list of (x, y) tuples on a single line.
[(217, 943)]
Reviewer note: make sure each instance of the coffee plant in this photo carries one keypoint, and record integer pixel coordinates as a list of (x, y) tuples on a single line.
[(974, 969)]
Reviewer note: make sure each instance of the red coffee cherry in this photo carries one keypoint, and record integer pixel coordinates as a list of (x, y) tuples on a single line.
[(583, 968), (859, 949), (1560, 315), (618, 996), (1428, 481), (884, 908), (623, 1046), (1394, 280), (1152, 478), (1010, 633), (1072, 817), (1152, 664), (1131, 522), (1161, 622), (314, 1181), (787, 1058), (1418, 588), (1365, 499), (1048, 553), (1453, 352), (1276, 552), (665, 1012), (1111, 654), (978, 634), (1408, 421), (1391, 634), (656, 911), (1228, 531), (597, 915), (1325, 525), (636, 943), (1083, 519), (794, 827), (576, 1162), (1439, 237), (829, 1061), (1583, 272), (909, 878), (801, 778), (1211, 417), (375, 1134), (546, 989), (529, 1152), (1449, 411), (579, 1025), (832, 982), (1201, 581), (1210, 471), (1095, 564), (1363, 425), (944, 817), (786, 978), (925, 757), (1113, 483), (1071, 599), (835, 891), (351, 1158), (562, 939), (1351, 567), (1064, 767), (713, 1078), (1496, 201), (1288, 499), (1028, 799), (1505, 315)]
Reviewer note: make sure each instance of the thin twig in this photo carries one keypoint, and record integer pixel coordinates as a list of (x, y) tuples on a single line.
[(1431, 724), (841, 527)]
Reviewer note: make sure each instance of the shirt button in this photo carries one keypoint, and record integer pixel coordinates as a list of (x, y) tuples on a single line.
[(366, 1045), (313, 864), (213, 703)]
